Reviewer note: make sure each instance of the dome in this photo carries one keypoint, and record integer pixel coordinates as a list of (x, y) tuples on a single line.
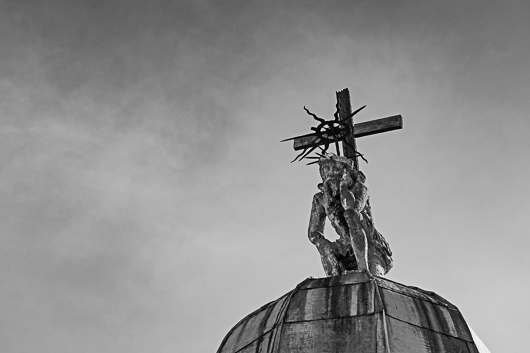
[(354, 313)]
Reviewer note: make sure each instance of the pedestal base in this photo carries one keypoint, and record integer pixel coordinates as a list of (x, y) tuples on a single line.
[(353, 313)]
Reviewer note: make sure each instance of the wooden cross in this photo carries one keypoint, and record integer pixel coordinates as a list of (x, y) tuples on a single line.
[(358, 130)]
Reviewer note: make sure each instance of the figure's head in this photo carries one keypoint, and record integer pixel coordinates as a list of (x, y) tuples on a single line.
[(332, 167)]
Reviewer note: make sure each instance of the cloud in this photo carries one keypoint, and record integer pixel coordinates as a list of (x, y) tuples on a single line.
[(143, 184)]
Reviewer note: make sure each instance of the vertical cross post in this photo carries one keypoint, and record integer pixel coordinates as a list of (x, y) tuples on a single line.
[(349, 147)]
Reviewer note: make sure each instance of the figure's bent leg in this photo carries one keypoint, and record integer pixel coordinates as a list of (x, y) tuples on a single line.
[(328, 258), (358, 239)]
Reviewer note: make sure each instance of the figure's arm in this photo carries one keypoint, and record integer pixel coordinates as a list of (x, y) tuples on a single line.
[(317, 222), (354, 196), (316, 236)]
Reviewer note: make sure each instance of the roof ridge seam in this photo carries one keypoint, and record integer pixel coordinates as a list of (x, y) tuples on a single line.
[(333, 318), (433, 301), (425, 328)]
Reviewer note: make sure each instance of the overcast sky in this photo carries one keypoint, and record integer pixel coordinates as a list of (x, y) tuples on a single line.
[(148, 205)]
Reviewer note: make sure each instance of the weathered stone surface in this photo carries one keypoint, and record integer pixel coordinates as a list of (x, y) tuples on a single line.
[(354, 313), (345, 201), (343, 196)]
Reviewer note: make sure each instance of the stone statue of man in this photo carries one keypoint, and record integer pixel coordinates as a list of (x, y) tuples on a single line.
[(344, 200)]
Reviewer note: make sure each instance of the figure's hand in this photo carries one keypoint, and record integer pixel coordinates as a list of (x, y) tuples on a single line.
[(329, 261), (347, 197), (346, 181)]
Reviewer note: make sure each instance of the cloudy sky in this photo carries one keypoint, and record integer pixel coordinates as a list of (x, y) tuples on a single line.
[(148, 205)]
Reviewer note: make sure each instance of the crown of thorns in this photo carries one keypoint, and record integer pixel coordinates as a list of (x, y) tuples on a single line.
[(326, 133), (324, 157), (348, 163)]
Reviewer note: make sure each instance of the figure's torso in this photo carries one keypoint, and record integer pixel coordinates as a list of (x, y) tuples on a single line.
[(378, 248)]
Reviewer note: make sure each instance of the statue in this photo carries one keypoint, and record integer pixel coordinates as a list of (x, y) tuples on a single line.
[(358, 311), (344, 200), (343, 196)]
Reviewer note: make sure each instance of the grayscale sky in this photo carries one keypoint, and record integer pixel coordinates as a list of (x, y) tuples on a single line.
[(148, 205)]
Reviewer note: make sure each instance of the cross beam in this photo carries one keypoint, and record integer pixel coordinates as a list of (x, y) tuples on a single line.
[(358, 130)]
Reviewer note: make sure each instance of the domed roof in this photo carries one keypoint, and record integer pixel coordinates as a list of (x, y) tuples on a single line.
[(354, 313)]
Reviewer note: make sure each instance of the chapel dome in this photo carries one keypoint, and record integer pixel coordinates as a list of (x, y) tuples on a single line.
[(354, 313)]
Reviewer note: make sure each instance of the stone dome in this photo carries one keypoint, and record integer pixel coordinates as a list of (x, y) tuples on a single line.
[(354, 313)]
